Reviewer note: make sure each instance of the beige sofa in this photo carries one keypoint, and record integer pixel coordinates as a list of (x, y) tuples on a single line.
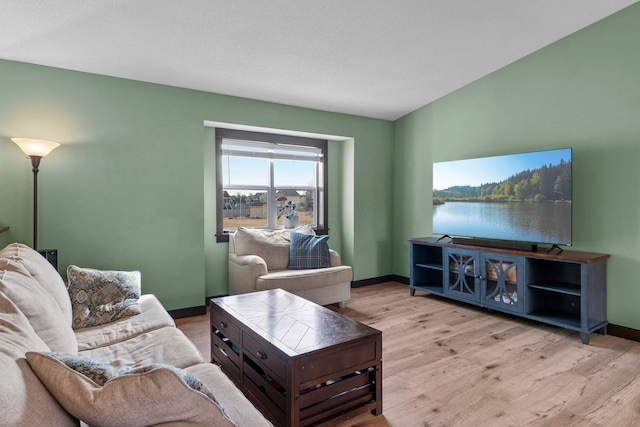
[(39, 386), (259, 260)]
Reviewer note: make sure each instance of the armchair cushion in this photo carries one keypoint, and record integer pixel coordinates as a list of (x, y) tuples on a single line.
[(297, 280), (308, 251), (270, 245)]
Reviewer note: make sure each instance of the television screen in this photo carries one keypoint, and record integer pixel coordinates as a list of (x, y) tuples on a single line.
[(518, 197)]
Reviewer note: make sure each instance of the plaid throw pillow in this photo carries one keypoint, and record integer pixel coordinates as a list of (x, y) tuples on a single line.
[(308, 251)]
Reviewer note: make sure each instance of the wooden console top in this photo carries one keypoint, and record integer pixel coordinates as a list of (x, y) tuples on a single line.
[(565, 255)]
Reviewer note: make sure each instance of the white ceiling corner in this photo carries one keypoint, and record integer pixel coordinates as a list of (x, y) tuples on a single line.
[(374, 58)]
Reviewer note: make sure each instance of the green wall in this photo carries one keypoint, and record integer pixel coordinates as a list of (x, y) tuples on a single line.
[(581, 92), (130, 187)]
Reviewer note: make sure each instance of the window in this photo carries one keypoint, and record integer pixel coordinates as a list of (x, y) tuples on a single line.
[(263, 180)]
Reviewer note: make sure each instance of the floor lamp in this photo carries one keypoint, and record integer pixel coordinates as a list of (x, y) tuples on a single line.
[(36, 149)]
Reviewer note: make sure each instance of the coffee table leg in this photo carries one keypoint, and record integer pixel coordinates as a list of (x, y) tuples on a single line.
[(378, 409)]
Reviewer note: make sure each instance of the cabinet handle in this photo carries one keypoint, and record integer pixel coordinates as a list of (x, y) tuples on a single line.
[(261, 354), (223, 352), (223, 324)]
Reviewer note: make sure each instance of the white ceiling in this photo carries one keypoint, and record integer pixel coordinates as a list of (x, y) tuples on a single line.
[(375, 58)]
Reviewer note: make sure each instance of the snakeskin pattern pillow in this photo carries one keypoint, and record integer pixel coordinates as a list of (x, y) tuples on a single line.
[(98, 372), (138, 396), (186, 376), (101, 372), (99, 297)]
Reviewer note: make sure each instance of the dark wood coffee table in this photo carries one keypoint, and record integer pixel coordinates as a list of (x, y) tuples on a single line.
[(299, 363)]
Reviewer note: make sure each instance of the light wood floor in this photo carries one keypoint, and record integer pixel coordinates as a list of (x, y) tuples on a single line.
[(450, 364)]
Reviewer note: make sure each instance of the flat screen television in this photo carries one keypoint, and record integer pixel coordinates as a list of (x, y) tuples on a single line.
[(522, 197)]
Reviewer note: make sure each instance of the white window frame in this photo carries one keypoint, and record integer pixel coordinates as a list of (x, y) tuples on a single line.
[(272, 147)]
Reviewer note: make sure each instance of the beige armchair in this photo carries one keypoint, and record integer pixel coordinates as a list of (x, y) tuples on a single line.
[(259, 260)]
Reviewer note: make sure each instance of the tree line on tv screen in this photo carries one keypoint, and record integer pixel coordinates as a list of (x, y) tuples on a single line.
[(549, 183)]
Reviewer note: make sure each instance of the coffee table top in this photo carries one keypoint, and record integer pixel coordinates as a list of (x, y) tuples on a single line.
[(292, 324)]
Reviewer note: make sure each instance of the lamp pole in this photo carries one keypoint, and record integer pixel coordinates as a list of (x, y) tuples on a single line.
[(35, 162)]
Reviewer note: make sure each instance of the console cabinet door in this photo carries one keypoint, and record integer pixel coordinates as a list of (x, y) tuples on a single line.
[(461, 274), (503, 278)]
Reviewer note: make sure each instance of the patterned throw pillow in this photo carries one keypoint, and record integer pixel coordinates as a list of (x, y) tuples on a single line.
[(187, 377), (101, 372), (99, 297), (98, 372), (308, 251), (142, 396)]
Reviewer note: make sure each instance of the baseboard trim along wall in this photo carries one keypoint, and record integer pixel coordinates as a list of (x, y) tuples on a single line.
[(381, 279), (193, 311), (188, 312), (623, 332), (615, 330)]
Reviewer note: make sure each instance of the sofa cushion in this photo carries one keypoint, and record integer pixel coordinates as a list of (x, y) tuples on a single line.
[(24, 400), (99, 297), (43, 272), (44, 314), (236, 405), (139, 397), (308, 251), (270, 245), (166, 345), (153, 316)]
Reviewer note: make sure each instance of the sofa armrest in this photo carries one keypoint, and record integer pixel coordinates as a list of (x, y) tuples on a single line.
[(334, 258), (243, 272)]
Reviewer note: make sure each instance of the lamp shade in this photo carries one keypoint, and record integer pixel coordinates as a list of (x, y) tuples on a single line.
[(35, 147)]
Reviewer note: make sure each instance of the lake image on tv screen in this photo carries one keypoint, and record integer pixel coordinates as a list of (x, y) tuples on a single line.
[(522, 197)]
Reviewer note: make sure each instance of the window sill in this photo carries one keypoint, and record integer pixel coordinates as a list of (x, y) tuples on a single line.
[(222, 238)]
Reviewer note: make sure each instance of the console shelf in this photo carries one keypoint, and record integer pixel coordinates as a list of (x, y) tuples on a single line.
[(567, 289), (434, 266), (564, 288)]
